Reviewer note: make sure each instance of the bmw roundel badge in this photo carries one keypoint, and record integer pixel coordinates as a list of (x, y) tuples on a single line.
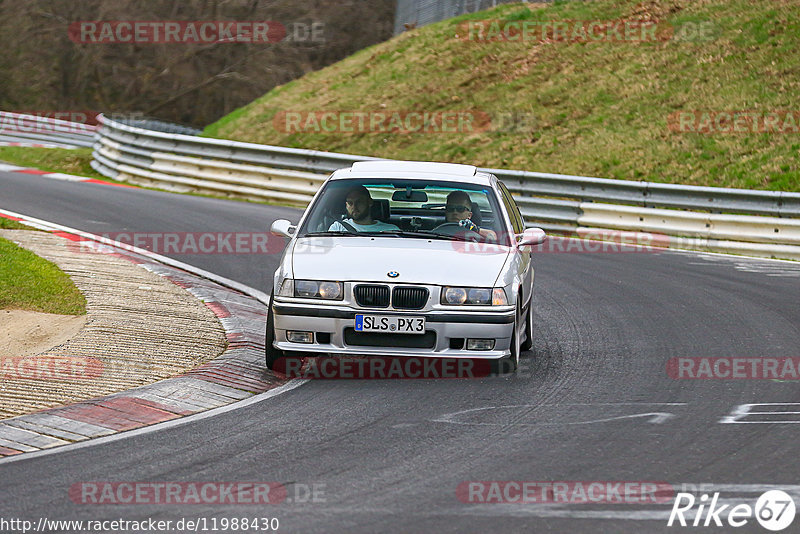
[(393, 274)]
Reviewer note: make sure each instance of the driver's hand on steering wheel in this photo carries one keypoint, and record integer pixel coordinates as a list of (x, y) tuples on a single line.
[(469, 225), (485, 233)]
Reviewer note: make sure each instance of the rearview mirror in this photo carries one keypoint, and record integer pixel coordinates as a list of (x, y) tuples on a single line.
[(283, 227), (532, 236), (410, 195)]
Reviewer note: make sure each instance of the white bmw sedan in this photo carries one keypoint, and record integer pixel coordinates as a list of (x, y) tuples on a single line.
[(401, 258)]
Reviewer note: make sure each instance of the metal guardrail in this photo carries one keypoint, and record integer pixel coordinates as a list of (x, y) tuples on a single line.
[(417, 13), (651, 194), (182, 162), (157, 125), (25, 129), (554, 202)]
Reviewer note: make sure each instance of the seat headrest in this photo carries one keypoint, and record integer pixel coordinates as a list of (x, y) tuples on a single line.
[(380, 209), (476, 214)]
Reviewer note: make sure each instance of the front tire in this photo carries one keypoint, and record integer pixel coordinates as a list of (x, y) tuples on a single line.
[(509, 364), (528, 343), (270, 352)]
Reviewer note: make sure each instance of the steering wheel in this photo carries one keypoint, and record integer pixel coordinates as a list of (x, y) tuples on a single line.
[(450, 228)]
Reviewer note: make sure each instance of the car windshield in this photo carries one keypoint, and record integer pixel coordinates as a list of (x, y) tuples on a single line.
[(409, 208)]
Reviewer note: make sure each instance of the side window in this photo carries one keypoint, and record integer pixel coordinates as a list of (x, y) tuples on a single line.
[(511, 207)]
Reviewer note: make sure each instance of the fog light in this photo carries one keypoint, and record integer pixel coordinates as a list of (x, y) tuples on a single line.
[(299, 337), (480, 344)]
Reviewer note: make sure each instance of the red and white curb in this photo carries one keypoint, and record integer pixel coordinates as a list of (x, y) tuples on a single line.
[(5, 167), (36, 145), (236, 377)]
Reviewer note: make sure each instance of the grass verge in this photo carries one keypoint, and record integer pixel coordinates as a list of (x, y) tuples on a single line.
[(8, 224), (69, 161), (28, 282)]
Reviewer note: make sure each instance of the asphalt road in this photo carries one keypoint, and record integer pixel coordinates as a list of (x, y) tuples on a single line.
[(591, 402)]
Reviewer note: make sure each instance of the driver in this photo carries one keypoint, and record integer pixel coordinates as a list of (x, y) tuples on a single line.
[(458, 210), (359, 207)]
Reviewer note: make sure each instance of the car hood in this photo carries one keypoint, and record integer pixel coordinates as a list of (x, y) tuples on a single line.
[(418, 261)]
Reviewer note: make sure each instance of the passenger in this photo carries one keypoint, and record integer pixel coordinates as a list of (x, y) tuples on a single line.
[(358, 204), (458, 210)]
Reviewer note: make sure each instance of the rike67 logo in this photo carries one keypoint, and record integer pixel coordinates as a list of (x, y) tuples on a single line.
[(774, 510)]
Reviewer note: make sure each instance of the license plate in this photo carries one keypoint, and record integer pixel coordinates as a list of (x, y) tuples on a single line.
[(387, 323)]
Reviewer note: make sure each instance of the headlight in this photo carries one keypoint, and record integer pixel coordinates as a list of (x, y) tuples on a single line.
[(330, 290), (454, 295), (306, 288), (312, 289), (477, 296)]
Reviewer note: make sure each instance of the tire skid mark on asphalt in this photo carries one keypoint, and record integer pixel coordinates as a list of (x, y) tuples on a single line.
[(645, 411), (730, 495), (778, 268)]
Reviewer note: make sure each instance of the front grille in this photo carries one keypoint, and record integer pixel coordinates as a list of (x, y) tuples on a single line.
[(409, 298), (370, 296), (382, 339)]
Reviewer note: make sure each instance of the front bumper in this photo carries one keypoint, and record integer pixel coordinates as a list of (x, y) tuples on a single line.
[(444, 324)]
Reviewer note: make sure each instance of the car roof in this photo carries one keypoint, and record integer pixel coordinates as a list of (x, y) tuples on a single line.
[(446, 172)]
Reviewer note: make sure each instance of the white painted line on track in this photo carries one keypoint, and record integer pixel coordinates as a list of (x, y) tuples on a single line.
[(64, 177), (5, 167)]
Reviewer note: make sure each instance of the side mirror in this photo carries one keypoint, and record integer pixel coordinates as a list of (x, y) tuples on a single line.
[(531, 236), (283, 227)]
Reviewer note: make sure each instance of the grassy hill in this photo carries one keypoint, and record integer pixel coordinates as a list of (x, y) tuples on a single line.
[(580, 107)]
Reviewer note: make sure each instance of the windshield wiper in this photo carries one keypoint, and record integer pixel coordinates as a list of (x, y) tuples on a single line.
[(445, 237), (330, 233), (385, 233), (421, 235)]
